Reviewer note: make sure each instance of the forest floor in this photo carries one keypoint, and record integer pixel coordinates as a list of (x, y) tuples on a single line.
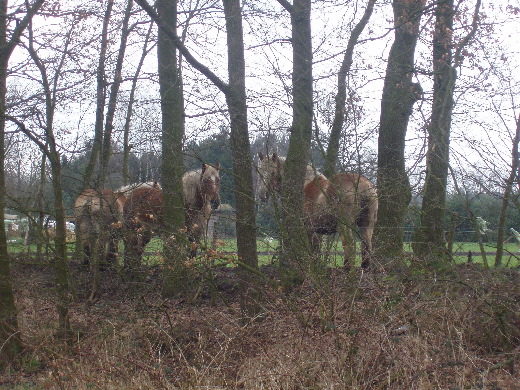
[(455, 328)]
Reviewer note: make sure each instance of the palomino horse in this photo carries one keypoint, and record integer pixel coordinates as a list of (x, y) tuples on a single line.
[(143, 210), (98, 216), (330, 206)]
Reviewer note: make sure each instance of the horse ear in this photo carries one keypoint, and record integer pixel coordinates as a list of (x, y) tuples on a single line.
[(260, 156), (204, 166), (217, 165), (274, 157)]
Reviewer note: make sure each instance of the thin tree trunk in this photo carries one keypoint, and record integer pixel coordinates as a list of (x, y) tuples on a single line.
[(51, 149), (129, 111), (399, 96), (112, 101), (100, 102), (331, 156), (242, 160), (10, 340)]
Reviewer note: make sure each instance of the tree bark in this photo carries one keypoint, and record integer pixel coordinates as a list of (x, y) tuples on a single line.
[(429, 239), (331, 156), (242, 160), (296, 242), (10, 339), (177, 277), (399, 96)]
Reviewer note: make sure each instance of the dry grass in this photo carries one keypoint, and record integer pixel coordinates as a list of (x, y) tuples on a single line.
[(455, 330)]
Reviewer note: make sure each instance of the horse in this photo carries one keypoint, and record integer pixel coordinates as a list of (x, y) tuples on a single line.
[(338, 205), (98, 217), (143, 210), (201, 193)]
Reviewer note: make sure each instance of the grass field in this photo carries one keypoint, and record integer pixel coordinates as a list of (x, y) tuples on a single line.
[(267, 249)]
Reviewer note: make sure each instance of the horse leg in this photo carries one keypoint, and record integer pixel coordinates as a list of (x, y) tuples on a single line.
[(112, 250), (349, 244), (366, 230), (86, 252)]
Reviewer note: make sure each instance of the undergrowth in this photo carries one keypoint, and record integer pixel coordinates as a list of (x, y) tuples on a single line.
[(458, 328)]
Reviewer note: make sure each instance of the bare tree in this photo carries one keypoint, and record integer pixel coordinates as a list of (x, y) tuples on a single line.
[(331, 156), (246, 242), (9, 337), (430, 241), (294, 234), (100, 100)]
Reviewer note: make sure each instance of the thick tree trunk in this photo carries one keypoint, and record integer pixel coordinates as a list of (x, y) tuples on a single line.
[(331, 156), (430, 240), (177, 277), (9, 337), (296, 243), (242, 160), (399, 96)]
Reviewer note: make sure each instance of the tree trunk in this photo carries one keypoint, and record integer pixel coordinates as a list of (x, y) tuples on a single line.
[(331, 156), (297, 246), (177, 277), (430, 240), (10, 340), (51, 149), (100, 102), (129, 111), (242, 160), (112, 101), (399, 96)]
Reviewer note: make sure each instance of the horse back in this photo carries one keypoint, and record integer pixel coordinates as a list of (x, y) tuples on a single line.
[(358, 192), (104, 202), (144, 205)]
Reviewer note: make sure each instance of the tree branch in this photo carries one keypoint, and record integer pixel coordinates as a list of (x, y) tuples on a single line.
[(20, 27), (288, 6), (30, 135), (219, 83), (464, 41)]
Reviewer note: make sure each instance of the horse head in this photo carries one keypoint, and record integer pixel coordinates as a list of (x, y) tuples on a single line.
[(210, 184), (270, 172)]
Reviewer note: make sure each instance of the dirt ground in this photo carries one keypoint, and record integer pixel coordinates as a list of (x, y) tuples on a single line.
[(456, 328)]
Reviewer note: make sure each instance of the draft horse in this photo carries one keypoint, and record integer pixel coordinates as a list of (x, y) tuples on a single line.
[(98, 216), (143, 210), (340, 205)]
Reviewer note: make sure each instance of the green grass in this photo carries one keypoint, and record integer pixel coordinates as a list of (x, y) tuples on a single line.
[(267, 251)]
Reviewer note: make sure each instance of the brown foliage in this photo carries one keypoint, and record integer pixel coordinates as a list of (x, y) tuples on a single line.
[(458, 328)]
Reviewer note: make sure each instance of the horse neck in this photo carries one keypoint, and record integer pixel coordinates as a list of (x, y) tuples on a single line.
[(310, 173), (192, 189)]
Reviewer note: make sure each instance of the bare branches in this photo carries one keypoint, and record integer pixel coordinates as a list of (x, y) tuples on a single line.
[(219, 83)]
